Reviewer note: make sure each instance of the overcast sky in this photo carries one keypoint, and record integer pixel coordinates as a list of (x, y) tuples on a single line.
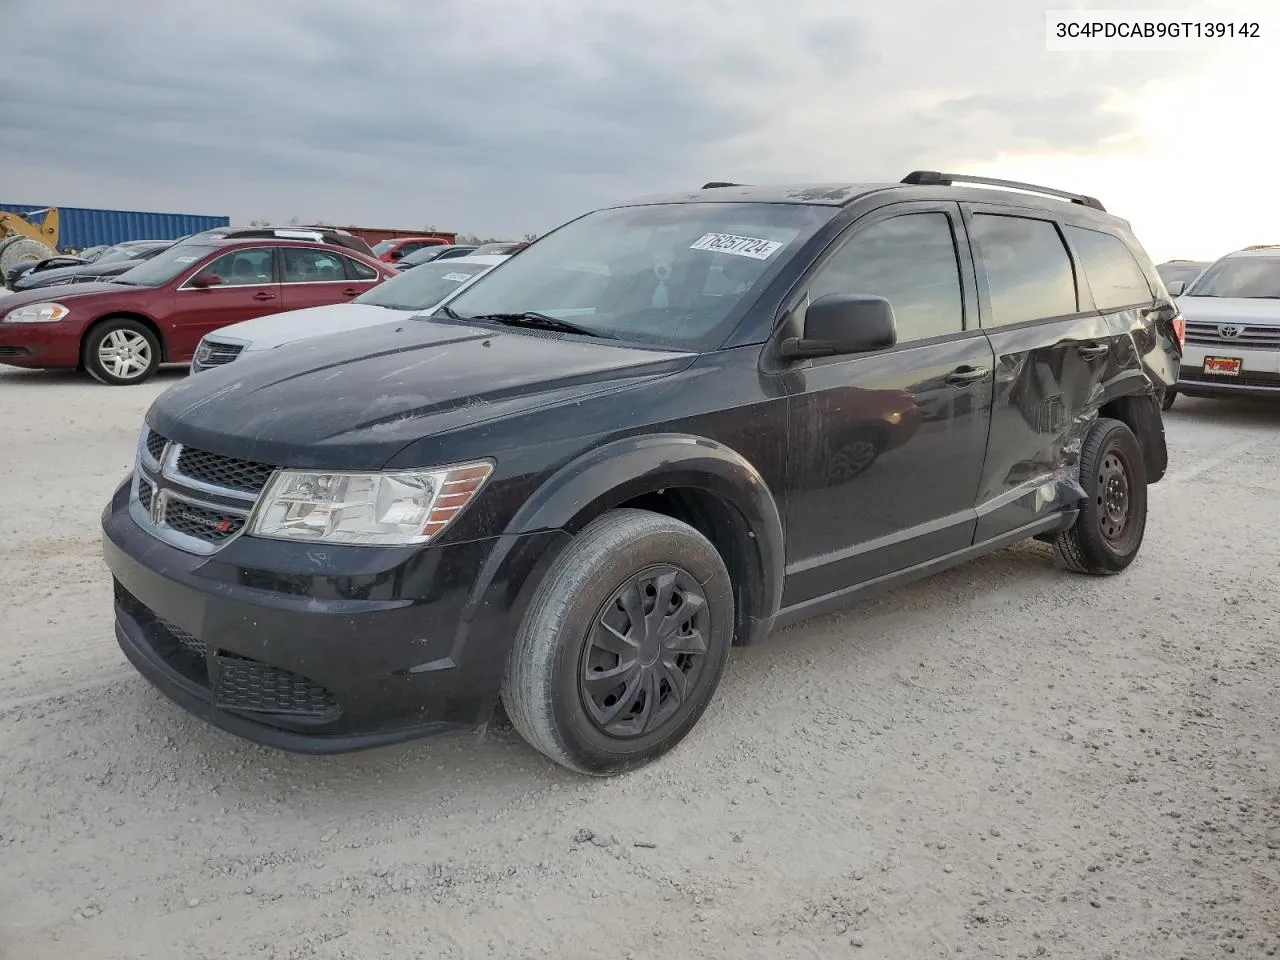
[(506, 116)]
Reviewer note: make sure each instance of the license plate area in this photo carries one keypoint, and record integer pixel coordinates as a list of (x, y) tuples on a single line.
[(1222, 366)]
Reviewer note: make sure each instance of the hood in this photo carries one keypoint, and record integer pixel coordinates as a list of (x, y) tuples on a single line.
[(63, 294), (274, 330), (338, 402), (52, 276), (1228, 309)]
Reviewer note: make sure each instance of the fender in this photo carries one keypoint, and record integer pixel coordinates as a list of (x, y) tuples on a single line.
[(630, 467)]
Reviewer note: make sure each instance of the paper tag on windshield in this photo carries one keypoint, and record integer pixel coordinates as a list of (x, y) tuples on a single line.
[(186, 259), (752, 247), (457, 277)]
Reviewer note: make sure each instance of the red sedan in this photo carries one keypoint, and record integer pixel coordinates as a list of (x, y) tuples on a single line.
[(157, 312)]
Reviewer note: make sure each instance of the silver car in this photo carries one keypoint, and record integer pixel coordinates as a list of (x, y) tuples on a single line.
[(1232, 313)]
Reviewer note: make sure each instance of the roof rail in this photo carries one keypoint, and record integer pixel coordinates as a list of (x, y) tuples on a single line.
[(1263, 246), (721, 183), (933, 178)]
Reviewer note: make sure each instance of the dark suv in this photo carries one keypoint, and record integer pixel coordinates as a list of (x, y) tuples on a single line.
[(665, 428)]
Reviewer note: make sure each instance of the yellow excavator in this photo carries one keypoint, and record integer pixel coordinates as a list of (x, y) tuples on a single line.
[(22, 241)]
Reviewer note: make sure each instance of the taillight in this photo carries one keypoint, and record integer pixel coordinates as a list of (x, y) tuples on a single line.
[(1180, 331)]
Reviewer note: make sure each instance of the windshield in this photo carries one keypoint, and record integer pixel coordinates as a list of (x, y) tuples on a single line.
[(423, 255), (667, 274), (120, 254), (166, 265), (1247, 277), (423, 287), (380, 248), (1186, 272)]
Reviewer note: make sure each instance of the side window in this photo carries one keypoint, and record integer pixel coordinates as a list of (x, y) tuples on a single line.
[(311, 266), (359, 271), (1027, 266), (244, 267), (909, 260), (1114, 274)]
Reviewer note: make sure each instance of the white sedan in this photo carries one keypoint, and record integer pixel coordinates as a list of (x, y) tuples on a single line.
[(419, 290)]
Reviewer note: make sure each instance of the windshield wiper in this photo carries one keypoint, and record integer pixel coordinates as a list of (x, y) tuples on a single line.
[(449, 312), (538, 321)]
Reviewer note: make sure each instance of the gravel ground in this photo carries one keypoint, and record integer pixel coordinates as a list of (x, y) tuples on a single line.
[(1003, 761)]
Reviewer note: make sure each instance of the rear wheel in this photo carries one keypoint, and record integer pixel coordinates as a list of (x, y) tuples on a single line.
[(1113, 518), (623, 645), (1166, 401), (121, 352)]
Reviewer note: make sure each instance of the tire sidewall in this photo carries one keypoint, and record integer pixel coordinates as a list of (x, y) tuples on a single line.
[(1108, 435), (591, 748), (99, 333)]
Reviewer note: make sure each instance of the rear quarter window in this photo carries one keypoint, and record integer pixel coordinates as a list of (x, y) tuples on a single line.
[(1027, 267), (1113, 273)]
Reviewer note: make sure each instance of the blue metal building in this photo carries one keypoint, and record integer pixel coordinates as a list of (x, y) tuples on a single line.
[(81, 227)]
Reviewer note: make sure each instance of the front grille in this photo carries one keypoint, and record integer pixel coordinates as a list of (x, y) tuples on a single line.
[(1249, 335), (244, 476), (204, 523), (189, 643), (214, 354), (145, 493), (244, 684), (155, 445)]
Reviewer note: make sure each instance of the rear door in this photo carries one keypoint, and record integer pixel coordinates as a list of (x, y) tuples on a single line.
[(1052, 353), (886, 449), (315, 277), (248, 289)]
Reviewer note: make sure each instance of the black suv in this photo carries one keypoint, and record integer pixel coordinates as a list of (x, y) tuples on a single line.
[(665, 428)]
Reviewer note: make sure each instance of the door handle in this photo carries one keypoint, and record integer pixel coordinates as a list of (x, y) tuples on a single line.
[(1091, 351), (350, 292), (263, 295), (963, 376)]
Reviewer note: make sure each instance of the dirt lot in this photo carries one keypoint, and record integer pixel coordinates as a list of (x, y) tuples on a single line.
[(1004, 761)]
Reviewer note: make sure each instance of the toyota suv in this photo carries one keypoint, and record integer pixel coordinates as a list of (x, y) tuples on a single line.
[(666, 428), (1232, 312)]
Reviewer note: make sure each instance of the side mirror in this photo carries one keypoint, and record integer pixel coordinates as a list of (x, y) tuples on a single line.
[(203, 280), (1176, 287), (843, 323), (397, 254)]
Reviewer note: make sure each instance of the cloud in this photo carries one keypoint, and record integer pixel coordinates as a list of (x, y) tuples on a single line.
[(502, 117)]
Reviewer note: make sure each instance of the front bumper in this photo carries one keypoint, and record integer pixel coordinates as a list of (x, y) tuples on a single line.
[(39, 345), (1259, 374), (322, 649)]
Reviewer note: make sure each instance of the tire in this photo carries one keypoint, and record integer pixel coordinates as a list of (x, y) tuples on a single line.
[(19, 250), (137, 353), (556, 691), (1108, 533), (1166, 401)]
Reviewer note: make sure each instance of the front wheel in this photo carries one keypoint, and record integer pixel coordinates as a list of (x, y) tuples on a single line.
[(1108, 532), (121, 352), (623, 644)]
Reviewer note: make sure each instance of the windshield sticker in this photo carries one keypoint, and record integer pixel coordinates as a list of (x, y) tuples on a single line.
[(457, 277), (752, 247), (186, 259)]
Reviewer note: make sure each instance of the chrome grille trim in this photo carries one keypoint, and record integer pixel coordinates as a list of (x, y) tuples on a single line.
[(168, 485), (1254, 335)]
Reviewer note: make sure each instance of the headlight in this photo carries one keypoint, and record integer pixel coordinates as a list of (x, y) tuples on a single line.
[(37, 313), (382, 509)]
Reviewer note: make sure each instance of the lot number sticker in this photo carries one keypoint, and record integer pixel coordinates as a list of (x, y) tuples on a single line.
[(752, 247), (456, 277)]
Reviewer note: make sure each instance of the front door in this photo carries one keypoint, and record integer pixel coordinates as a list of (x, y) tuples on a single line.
[(887, 448), (1051, 352), (248, 289), (316, 278)]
